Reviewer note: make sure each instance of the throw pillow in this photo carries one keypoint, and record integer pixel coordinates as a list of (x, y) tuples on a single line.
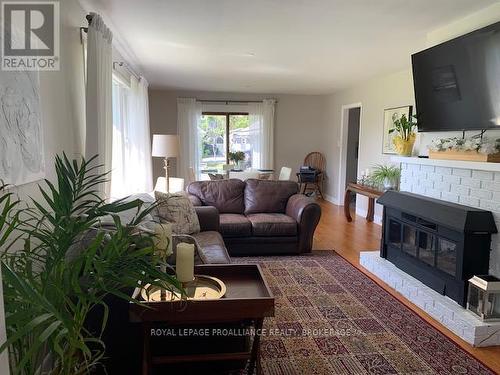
[(178, 210)]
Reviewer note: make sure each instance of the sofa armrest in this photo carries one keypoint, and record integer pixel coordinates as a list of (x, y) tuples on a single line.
[(307, 214), (195, 200), (208, 217)]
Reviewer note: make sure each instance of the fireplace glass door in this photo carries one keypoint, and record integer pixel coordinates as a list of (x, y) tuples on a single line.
[(410, 240), (395, 233), (426, 248), (447, 256)]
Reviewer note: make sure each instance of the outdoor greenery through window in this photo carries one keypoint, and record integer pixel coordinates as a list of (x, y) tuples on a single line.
[(221, 133)]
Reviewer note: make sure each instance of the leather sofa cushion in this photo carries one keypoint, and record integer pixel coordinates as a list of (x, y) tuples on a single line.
[(262, 196), (271, 225), (235, 225), (225, 195), (212, 248)]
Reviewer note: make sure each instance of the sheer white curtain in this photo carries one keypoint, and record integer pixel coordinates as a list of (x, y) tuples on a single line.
[(99, 125), (188, 118), (131, 161), (261, 119)]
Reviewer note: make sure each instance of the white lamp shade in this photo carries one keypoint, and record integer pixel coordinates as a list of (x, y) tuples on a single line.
[(165, 146)]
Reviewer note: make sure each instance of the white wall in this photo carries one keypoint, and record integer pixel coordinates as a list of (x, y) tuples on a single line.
[(299, 122), (62, 105), (62, 96), (388, 91), (375, 95)]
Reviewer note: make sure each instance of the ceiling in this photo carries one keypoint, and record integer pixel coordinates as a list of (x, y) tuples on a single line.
[(274, 46)]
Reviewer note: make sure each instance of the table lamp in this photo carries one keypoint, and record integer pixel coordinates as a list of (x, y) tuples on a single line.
[(165, 146), (176, 185)]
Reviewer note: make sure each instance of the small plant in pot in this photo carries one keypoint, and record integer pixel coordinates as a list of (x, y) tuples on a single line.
[(386, 176), (238, 157), (406, 134)]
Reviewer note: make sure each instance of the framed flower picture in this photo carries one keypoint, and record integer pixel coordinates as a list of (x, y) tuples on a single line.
[(387, 144)]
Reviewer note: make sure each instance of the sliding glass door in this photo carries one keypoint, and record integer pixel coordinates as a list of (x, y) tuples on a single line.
[(220, 134)]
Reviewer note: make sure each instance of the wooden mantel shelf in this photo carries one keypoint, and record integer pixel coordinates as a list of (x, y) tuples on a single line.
[(476, 165)]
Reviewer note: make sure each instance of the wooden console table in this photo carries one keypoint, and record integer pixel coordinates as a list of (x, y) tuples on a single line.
[(369, 192), (248, 300)]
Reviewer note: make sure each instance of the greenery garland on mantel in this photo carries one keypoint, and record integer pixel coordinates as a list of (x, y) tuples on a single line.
[(483, 145)]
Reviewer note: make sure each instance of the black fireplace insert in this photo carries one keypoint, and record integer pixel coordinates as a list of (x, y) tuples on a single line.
[(441, 244)]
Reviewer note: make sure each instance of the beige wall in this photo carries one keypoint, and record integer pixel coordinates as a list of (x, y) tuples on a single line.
[(62, 105), (299, 123), (62, 96), (374, 96)]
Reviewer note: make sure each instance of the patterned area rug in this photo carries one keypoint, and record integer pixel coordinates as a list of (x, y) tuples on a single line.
[(332, 319)]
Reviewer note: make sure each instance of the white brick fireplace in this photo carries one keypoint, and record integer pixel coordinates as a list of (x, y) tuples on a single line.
[(472, 184)]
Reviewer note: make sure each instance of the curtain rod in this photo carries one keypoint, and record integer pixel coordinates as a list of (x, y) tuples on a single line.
[(125, 66), (88, 17), (232, 101)]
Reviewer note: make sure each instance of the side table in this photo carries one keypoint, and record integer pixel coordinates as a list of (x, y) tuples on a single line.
[(247, 299), (369, 192)]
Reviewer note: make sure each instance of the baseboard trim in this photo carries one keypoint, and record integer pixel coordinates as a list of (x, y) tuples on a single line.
[(332, 199)]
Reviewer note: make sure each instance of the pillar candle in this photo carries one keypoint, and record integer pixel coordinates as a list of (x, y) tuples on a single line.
[(184, 263), (163, 239)]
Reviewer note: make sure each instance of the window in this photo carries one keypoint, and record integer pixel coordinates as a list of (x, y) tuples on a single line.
[(131, 153), (221, 133), (121, 110)]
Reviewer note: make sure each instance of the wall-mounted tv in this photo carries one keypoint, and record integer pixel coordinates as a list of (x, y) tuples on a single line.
[(457, 83)]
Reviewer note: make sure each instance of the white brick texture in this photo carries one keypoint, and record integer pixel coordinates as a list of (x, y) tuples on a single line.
[(482, 175), (475, 188), (450, 197), (468, 201), (490, 185), (451, 179), (443, 170), (446, 311), (462, 172)]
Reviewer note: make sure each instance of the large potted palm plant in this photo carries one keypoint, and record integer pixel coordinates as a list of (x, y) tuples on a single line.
[(59, 265)]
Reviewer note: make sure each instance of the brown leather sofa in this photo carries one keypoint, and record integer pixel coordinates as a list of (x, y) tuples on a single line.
[(211, 247), (260, 217)]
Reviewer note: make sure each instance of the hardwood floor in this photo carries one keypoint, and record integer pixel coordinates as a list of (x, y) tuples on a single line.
[(349, 239)]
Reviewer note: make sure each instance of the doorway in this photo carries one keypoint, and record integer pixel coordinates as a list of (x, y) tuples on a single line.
[(349, 142), (351, 170)]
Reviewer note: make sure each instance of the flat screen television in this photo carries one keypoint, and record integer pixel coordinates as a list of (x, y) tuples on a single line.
[(457, 83)]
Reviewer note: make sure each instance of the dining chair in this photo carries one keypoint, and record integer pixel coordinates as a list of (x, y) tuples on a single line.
[(215, 176), (317, 161), (285, 174)]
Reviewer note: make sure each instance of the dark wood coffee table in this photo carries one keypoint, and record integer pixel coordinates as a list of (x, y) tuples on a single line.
[(247, 299)]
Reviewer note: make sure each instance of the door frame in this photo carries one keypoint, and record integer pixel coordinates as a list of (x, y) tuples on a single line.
[(342, 142)]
